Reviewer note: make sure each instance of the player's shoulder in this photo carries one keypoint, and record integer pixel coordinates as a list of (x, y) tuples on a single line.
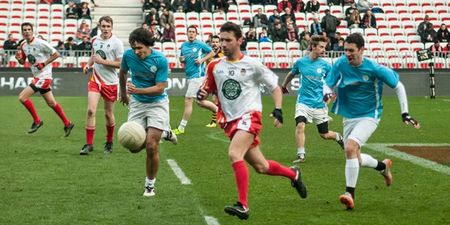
[(157, 54), (128, 53), (116, 40), (340, 61), (214, 62)]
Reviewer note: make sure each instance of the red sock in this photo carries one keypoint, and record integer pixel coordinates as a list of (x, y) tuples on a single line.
[(30, 107), (278, 170), (241, 178), (90, 135), (58, 110), (109, 133)]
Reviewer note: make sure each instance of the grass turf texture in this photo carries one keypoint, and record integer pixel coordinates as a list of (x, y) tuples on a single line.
[(45, 180)]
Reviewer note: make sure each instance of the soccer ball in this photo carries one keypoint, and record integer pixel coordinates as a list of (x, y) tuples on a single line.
[(132, 135)]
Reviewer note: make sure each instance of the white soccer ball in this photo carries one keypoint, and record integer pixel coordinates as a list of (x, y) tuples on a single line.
[(132, 135)]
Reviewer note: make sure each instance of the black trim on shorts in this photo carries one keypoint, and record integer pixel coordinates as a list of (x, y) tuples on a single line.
[(300, 119), (322, 128), (40, 90)]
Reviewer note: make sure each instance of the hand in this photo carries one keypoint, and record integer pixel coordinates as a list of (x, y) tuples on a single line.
[(124, 99), (409, 120), (328, 97), (181, 59), (201, 94), (39, 66), (20, 56), (131, 89), (278, 115), (86, 69), (198, 61), (285, 90), (98, 59)]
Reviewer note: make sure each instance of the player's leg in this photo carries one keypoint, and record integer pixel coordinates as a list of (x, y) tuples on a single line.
[(191, 93), (152, 159), (24, 98), (93, 98), (211, 107), (110, 124), (47, 94), (300, 138), (326, 134)]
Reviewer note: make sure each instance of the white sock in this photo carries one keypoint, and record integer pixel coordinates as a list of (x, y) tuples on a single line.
[(182, 125), (338, 136), (351, 172), (300, 150), (368, 161), (150, 183)]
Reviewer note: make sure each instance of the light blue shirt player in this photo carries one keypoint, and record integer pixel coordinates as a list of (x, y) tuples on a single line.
[(312, 74), (192, 51), (146, 73), (360, 88)]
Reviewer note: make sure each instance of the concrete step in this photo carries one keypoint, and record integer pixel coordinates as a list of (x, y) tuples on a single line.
[(117, 11)]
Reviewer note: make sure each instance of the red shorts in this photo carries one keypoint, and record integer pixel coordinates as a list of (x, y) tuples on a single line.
[(250, 122), (108, 92), (42, 85)]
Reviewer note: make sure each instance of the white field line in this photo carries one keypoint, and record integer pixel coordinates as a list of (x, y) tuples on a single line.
[(211, 220), (178, 172), (383, 148), (218, 136)]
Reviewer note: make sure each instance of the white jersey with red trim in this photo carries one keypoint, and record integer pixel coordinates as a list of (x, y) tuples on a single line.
[(110, 49), (38, 51), (237, 85)]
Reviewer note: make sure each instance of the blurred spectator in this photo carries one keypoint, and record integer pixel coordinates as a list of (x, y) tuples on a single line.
[(93, 3), (278, 33), (168, 34), (304, 43), (60, 48), (155, 31), (220, 6), (84, 12), (85, 45), (177, 5), (260, 19), (70, 46), (354, 20), (283, 5), (275, 15), (167, 18), (339, 46), (349, 10), (298, 6), (369, 20), (206, 5), (11, 43), (72, 11), (436, 49), (145, 26), (193, 6), (151, 17), (316, 27), (147, 5), (423, 25), (429, 35), (330, 24), (363, 6), (312, 6), (250, 35), (263, 36), (443, 34), (83, 30), (302, 34), (94, 31), (292, 33), (287, 17), (334, 2)]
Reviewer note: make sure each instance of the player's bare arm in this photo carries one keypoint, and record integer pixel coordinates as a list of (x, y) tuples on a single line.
[(122, 83), (52, 58), (90, 63), (98, 59), (286, 81), (277, 96), (209, 56), (151, 91)]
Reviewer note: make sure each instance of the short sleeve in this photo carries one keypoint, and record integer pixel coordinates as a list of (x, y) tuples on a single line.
[(205, 48), (124, 63), (296, 68), (162, 73), (48, 48), (118, 51), (265, 75), (210, 83), (388, 76), (333, 76)]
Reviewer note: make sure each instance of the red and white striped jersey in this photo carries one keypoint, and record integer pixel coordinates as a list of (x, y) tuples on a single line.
[(237, 85), (110, 49), (38, 51)]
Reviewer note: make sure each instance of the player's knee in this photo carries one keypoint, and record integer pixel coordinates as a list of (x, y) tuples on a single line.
[(351, 147), (300, 128), (300, 120), (22, 98), (151, 148), (51, 104), (260, 168), (90, 112)]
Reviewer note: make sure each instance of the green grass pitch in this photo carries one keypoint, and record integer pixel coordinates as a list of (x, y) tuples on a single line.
[(44, 180)]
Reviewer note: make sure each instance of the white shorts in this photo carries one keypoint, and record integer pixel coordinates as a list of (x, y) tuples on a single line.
[(193, 87), (318, 116), (154, 115), (359, 129)]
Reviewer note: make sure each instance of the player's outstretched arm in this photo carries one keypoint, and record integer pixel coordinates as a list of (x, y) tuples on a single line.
[(122, 85), (277, 96), (286, 81), (401, 95)]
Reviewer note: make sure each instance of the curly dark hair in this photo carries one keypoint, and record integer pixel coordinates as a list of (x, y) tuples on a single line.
[(143, 36)]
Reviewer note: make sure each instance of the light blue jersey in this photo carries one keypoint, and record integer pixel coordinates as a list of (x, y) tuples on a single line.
[(360, 88), (146, 73), (312, 74), (192, 51)]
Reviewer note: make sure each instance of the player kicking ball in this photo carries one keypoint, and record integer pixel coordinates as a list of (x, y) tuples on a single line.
[(310, 106), (359, 83), (236, 79), (40, 55)]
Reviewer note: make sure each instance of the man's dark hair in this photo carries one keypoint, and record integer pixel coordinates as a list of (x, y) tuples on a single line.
[(192, 26), (107, 19), (355, 38), (232, 27), (141, 35), (25, 25), (215, 36), (315, 39)]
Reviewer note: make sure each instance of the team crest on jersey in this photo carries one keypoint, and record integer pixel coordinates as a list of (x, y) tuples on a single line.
[(194, 49), (231, 89), (101, 53), (31, 59), (319, 70), (365, 77), (153, 69), (243, 71)]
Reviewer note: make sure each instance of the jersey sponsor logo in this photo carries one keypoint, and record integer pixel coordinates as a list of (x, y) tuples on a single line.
[(101, 53), (243, 72), (31, 59), (231, 89)]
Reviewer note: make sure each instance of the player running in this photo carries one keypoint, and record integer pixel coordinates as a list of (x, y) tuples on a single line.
[(359, 82), (310, 106), (40, 55), (107, 51), (236, 79)]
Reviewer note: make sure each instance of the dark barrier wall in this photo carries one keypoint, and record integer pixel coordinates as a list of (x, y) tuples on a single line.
[(74, 83)]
